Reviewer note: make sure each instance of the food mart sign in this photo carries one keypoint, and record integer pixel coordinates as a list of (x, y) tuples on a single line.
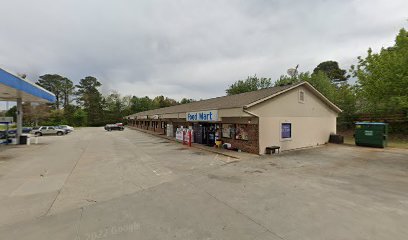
[(202, 116)]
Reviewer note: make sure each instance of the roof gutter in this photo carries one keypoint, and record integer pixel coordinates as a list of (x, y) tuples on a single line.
[(250, 113)]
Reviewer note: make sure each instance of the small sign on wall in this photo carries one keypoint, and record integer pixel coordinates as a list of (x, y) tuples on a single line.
[(286, 130)]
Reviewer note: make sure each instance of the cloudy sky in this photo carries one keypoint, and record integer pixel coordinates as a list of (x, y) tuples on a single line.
[(194, 48)]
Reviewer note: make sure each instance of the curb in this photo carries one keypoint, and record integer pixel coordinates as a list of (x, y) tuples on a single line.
[(194, 145)]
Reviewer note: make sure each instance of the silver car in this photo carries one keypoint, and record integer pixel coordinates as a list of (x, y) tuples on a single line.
[(48, 130), (67, 128)]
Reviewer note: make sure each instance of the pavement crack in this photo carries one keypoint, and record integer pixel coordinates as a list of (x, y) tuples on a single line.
[(66, 180), (79, 223), (227, 163)]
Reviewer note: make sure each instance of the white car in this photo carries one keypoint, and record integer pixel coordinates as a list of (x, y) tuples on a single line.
[(66, 127)]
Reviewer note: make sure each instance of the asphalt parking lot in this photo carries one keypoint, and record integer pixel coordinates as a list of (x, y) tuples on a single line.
[(93, 184)]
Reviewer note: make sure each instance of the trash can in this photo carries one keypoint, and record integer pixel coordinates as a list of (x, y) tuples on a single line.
[(335, 138), (23, 139), (371, 134)]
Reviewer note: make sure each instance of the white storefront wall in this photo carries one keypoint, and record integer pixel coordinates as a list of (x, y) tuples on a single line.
[(311, 120)]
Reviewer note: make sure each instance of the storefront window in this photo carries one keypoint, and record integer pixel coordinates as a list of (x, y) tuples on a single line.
[(286, 131), (241, 132), (227, 130)]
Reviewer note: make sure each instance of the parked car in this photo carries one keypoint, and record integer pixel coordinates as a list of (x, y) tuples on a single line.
[(66, 131), (110, 127), (48, 130), (27, 129), (69, 128)]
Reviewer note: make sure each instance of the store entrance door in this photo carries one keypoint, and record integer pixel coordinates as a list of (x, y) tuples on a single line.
[(204, 133)]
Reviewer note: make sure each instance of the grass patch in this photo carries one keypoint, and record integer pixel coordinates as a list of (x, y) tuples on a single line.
[(4, 127)]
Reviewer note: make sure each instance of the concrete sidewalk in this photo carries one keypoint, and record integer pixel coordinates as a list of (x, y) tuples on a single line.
[(225, 152)]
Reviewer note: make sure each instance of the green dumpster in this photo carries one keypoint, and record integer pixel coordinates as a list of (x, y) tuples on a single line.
[(371, 134)]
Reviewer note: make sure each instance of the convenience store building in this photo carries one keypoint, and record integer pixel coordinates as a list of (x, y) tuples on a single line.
[(291, 117)]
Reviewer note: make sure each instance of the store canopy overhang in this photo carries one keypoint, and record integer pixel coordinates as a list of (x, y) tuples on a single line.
[(13, 87)]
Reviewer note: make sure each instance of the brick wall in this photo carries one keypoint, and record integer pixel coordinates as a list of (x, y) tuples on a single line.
[(152, 127), (251, 145)]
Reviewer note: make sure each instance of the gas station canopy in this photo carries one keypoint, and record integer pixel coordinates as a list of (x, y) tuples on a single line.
[(13, 87)]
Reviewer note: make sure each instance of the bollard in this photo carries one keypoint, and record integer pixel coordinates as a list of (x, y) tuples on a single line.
[(189, 138)]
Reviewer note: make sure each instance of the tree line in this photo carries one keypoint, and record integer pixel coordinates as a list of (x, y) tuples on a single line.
[(376, 86), (84, 105)]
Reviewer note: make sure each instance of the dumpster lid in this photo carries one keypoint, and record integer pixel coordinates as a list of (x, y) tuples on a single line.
[(371, 123)]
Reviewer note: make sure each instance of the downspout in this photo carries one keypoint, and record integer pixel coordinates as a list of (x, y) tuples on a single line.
[(253, 114)]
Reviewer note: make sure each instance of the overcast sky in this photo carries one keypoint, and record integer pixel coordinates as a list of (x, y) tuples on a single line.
[(191, 49)]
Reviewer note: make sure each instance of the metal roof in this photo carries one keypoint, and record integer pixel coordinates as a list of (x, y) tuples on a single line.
[(13, 87)]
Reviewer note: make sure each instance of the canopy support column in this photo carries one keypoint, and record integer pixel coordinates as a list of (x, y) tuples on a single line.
[(19, 119)]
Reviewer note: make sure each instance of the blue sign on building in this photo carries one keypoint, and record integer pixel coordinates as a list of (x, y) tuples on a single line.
[(286, 131), (202, 116)]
